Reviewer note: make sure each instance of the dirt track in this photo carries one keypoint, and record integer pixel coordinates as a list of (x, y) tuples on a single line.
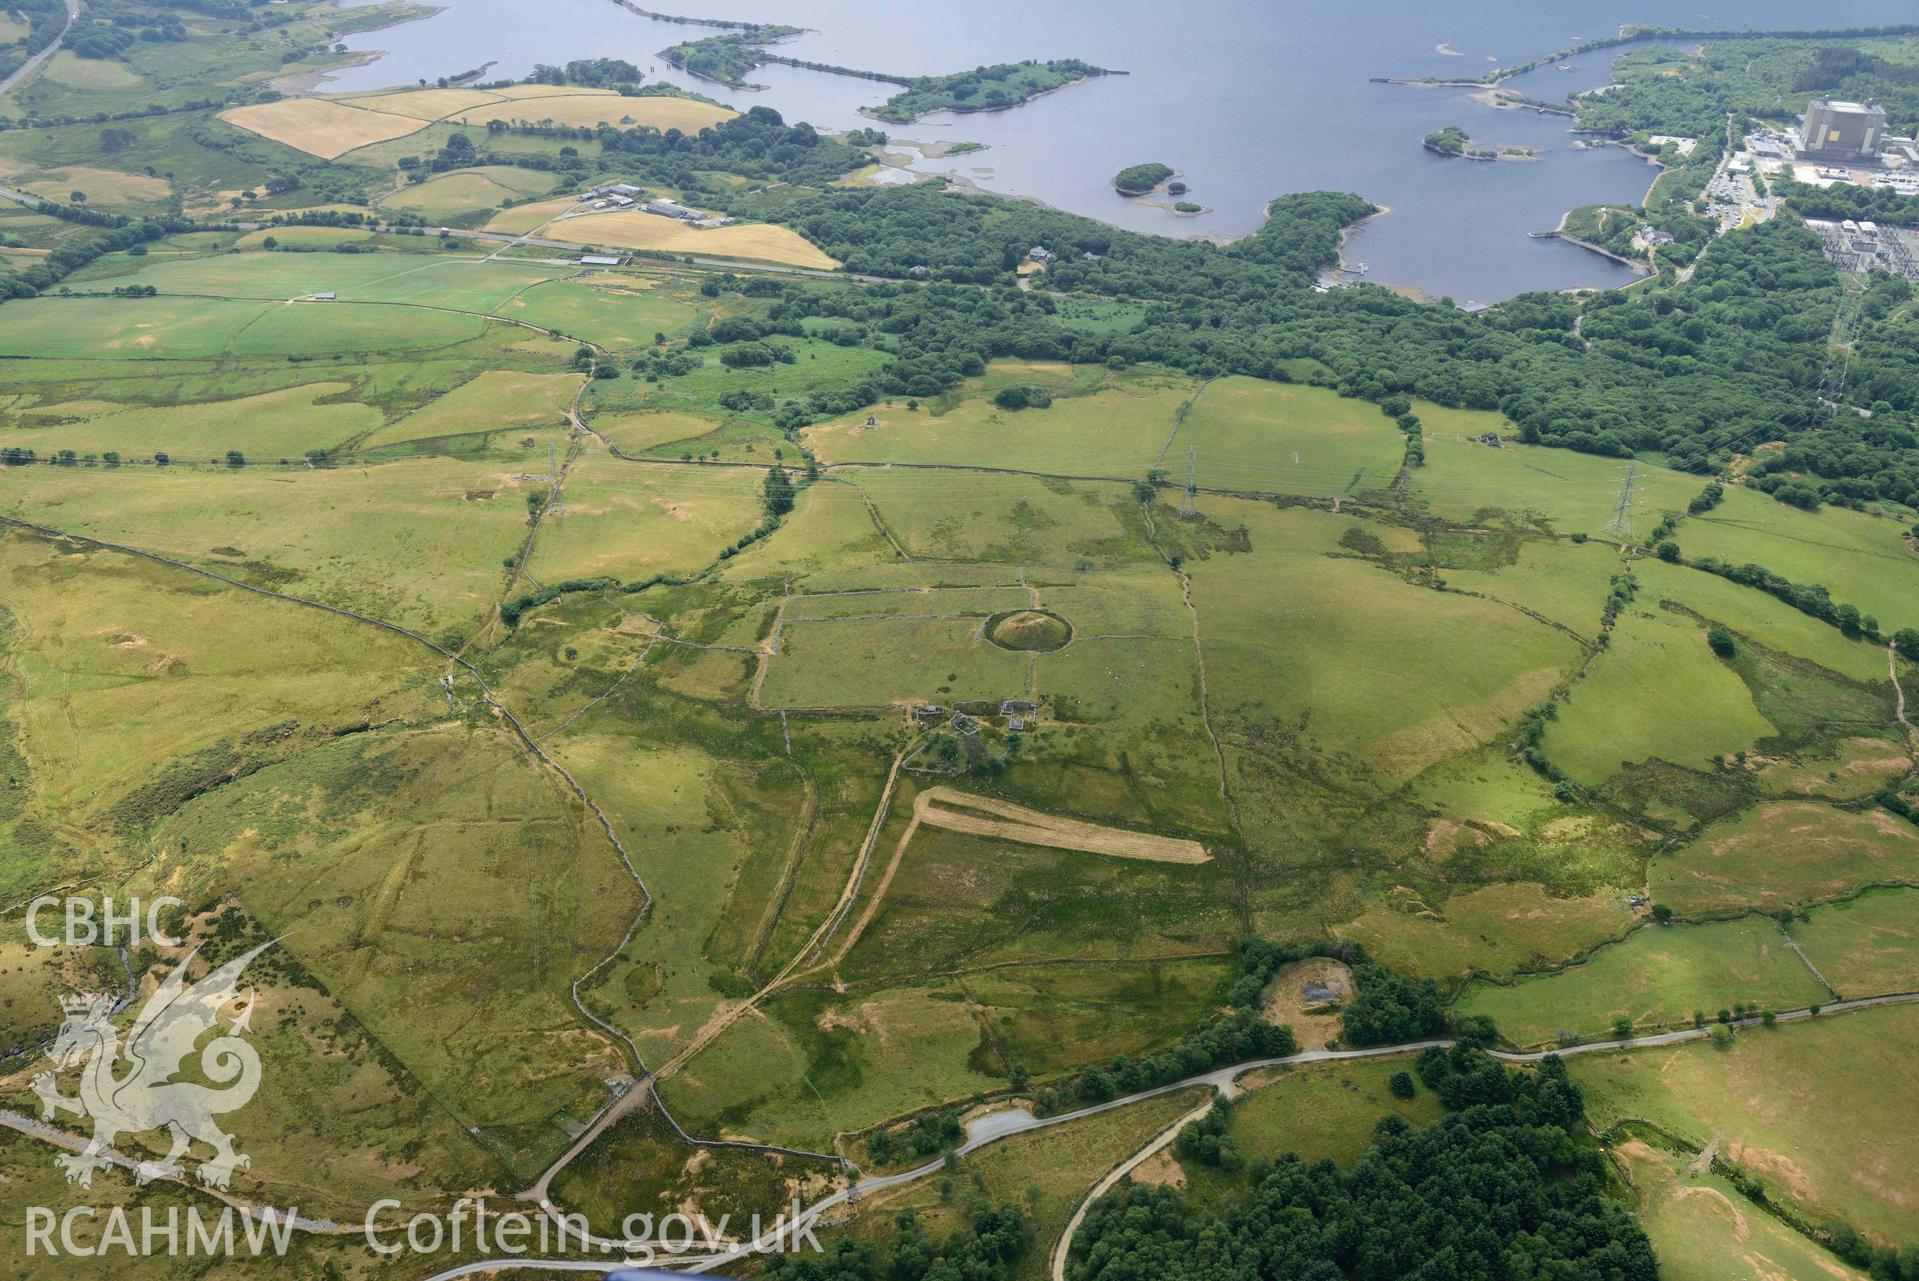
[(1030, 827)]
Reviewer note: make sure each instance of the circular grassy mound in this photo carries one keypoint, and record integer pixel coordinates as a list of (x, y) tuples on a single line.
[(1029, 630)]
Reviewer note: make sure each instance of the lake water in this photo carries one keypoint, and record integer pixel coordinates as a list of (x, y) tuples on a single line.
[(1249, 99)]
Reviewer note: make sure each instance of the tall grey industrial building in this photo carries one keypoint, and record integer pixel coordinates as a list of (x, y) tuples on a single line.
[(1842, 130)]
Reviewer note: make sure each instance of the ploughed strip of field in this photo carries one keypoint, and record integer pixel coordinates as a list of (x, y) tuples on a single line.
[(982, 816)]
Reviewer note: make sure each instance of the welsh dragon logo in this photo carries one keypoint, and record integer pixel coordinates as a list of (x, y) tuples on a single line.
[(132, 1090)]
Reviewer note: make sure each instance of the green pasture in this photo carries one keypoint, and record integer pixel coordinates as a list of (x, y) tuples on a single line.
[(400, 867), (1250, 435), (659, 430), (1566, 492), (1657, 692), (1315, 645), (876, 662), (633, 520), (816, 1065), (1495, 930), (1118, 430), (469, 191), (175, 328), (492, 401), (355, 537), (943, 602), (271, 425), (829, 529), (1048, 1171), (1659, 977), (942, 515), (712, 838), (1701, 1225), (1861, 559), (1778, 1102), (130, 671), (1319, 1112), (1785, 853), (623, 318), (1865, 946), (1563, 581)]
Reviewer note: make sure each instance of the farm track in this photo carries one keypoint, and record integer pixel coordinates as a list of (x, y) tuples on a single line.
[(1899, 703)]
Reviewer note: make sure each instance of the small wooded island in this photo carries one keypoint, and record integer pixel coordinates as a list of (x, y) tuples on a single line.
[(1454, 141), (730, 58), (1141, 180)]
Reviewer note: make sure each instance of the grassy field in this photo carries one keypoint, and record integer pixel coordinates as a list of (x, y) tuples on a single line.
[(102, 186), (1786, 853), (1566, 492), (622, 317), (348, 537), (456, 281), (1657, 692), (1261, 436), (1867, 945), (1301, 638), (1496, 930), (1658, 977), (275, 424), (1013, 519), (871, 663), (467, 191), (711, 836), (494, 400), (1860, 559), (1324, 1112), (658, 430), (416, 830), (129, 673), (173, 328), (1701, 1225), (1771, 1100), (633, 520), (1117, 430)]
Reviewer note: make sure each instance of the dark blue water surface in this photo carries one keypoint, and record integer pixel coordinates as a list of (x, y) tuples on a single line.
[(1249, 99)]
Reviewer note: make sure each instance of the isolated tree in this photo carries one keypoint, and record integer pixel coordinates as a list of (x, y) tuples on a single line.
[(1906, 641), (1401, 1085), (1721, 641)]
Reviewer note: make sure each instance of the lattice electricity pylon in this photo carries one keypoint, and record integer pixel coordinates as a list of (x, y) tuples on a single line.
[(1621, 522)]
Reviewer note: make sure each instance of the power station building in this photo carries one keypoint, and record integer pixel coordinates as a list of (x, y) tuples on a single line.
[(1842, 130)]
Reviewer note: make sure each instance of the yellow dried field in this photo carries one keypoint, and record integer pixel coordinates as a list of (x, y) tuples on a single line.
[(583, 109), (626, 230), (320, 126)]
